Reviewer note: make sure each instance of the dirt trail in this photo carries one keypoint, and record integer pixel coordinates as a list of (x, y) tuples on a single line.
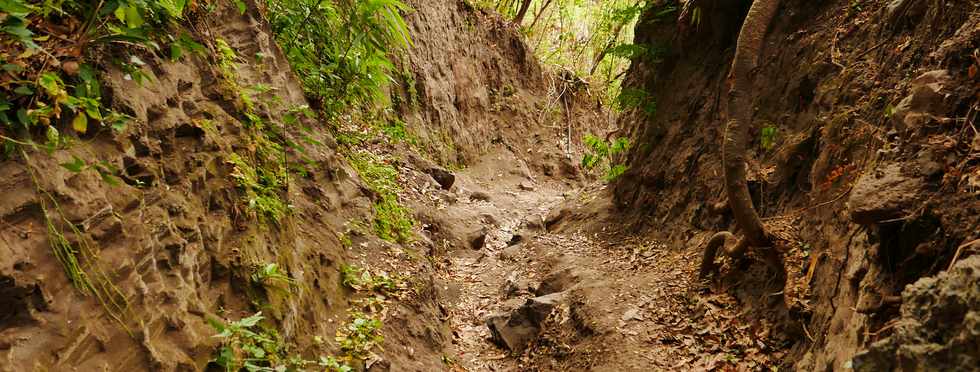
[(621, 302), (494, 277)]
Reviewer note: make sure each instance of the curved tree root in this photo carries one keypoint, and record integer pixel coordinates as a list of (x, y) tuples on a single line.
[(736, 137), (734, 146), (724, 241)]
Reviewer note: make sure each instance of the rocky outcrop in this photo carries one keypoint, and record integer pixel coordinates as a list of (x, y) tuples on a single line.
[(939, 326), (885, 194)]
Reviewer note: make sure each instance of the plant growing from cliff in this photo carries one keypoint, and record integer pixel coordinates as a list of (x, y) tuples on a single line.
[(247, 345), (392, 220), (246, 348), (45, 85), (270, 276), (360, 335), (340, 49), (638, 99), (260, 186), (600, 153), (78, 259), (360, 279)]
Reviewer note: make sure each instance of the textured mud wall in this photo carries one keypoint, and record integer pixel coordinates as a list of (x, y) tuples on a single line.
[(471, 83), (176, 237), (872, 155), (178, 240)]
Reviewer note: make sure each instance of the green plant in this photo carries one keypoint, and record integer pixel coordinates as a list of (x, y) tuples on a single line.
[(345, 240), (270, 276), (614, 172), (360, 279), (360, 335), (246, 345), (79, 260), (632, 98), (340, 49), (601, 153), (767, 137), (245, 348), (46, 84), (395, 129), (392, 221), (261, 187)]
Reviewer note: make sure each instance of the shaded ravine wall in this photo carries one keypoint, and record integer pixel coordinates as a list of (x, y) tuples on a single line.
[(884, 192)]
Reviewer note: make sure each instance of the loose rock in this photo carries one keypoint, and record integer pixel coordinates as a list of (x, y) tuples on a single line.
[(516, 330), (924, 102), (939, 327), (445, 178), (560, 280), (480, 196), (478, 238)]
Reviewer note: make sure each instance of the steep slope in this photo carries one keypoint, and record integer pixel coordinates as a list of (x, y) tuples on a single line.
[(864, 150), (205, 228), (473, 84), (177, 239)]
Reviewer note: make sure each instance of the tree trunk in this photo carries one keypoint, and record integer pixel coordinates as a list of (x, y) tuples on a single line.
[(736, 140), (606, 48), (525, 5)]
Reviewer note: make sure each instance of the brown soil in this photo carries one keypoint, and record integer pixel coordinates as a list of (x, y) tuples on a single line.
[(605, 275)]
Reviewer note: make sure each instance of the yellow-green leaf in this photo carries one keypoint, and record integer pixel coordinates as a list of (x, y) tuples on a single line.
[(133, 17), (80, 123)]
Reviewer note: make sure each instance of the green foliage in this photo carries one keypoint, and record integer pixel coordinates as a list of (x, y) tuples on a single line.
[(363, 332), (79, 261), (601, 153), (359, 279), (263, 173), (360, 335), (767, 137), (392, 221), (340, 49), (396, 131), (46, 85), (555, 29), (271, 277), (261, 187), (632, 98), (614, 172), (646, 52), (247, 346)]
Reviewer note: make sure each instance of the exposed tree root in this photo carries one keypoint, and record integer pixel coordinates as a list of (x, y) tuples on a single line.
[(734, 146), (736, 138)]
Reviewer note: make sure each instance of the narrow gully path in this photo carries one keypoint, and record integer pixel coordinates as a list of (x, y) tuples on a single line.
[(622, 302)]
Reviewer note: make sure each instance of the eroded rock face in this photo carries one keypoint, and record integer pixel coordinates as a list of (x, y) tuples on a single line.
[(884, 194), (939, 327), (924, 102)]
